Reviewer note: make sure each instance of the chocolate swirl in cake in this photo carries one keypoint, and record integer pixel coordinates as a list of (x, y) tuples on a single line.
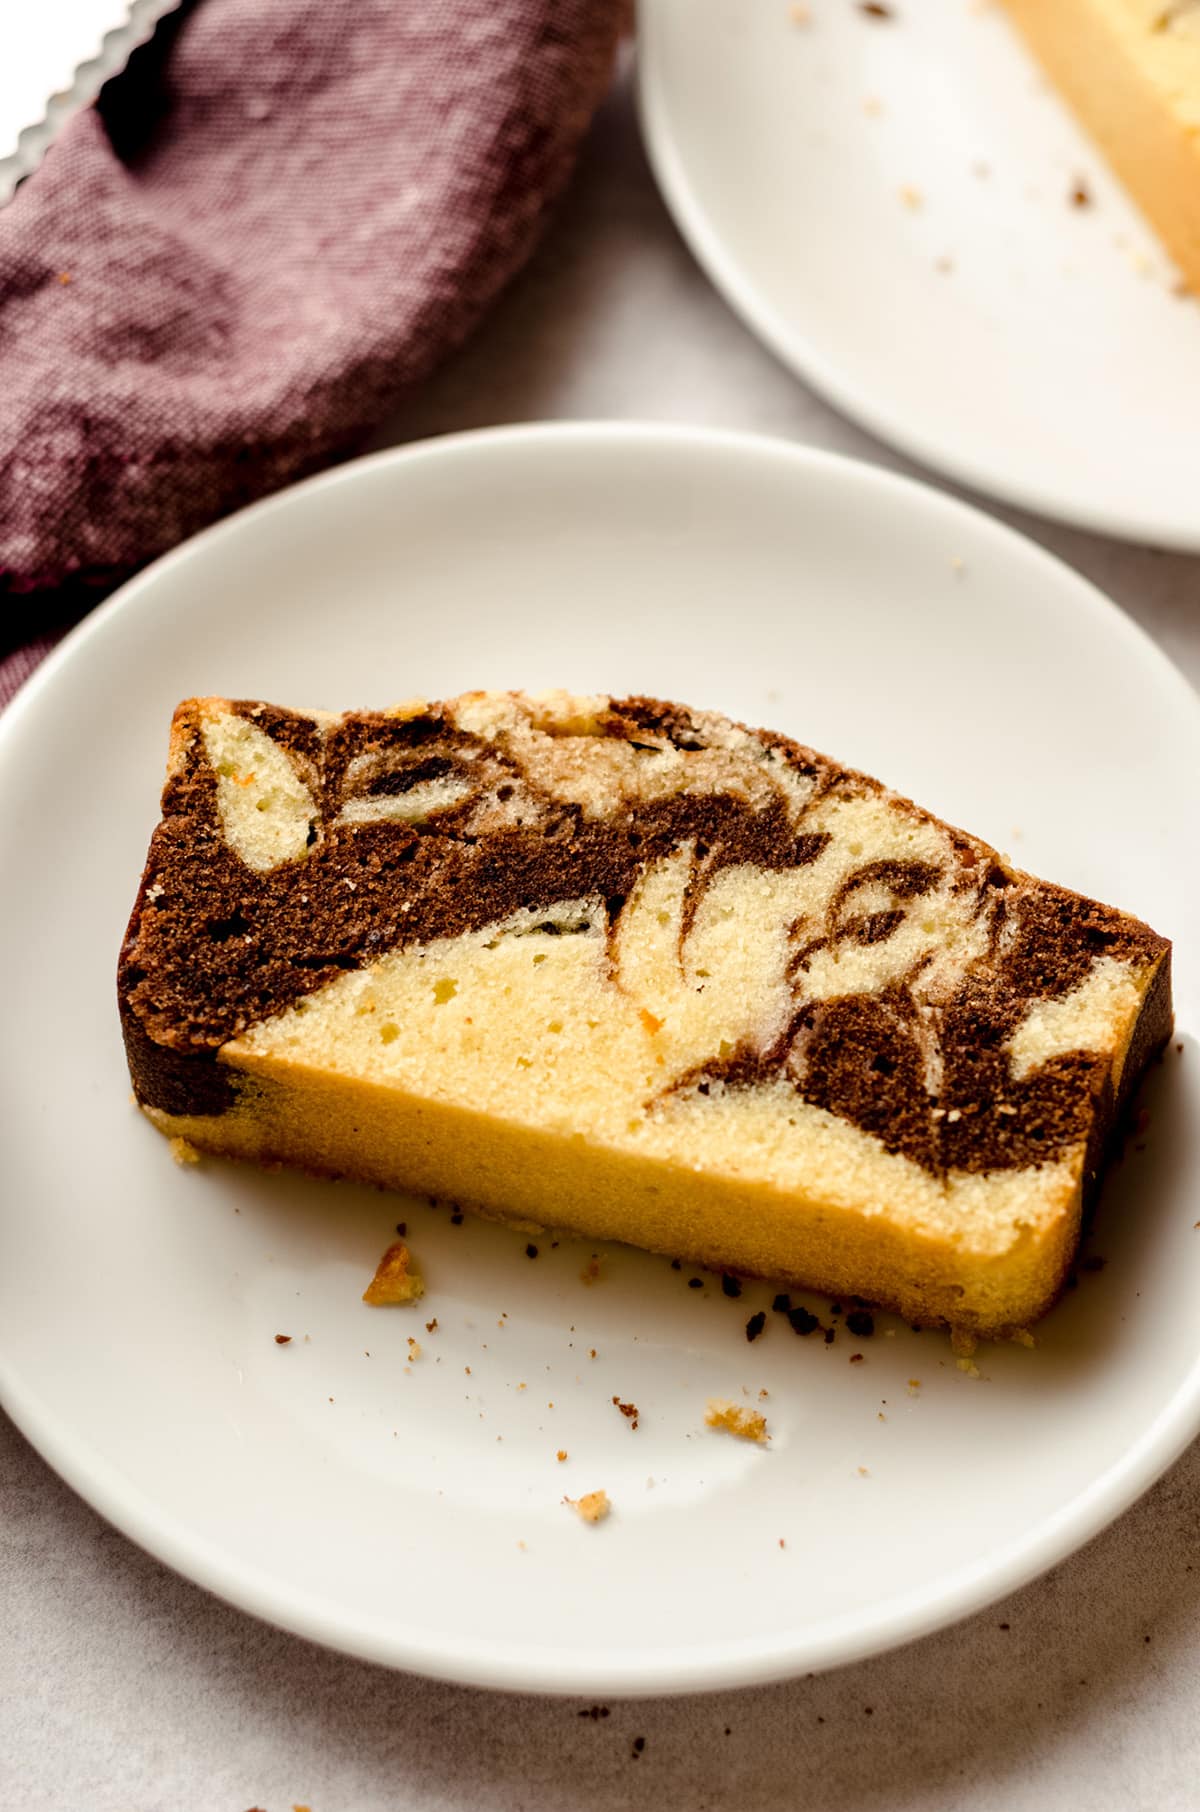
[(294, 848)]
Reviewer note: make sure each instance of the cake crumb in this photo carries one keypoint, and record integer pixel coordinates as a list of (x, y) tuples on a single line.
[(799, 14), (911, 197), (747, 1424), (872, 106), (1023, 1337), (914, 1385), (863, 1473), (591, 1271), (393, 1281), (184, 1152), (283, 1340), (561, 1455), (962, 1343), (969, 1367), (431, 1326), (592, 1507), (629, 1410), (875, 9), (1081, 195), (414, 1348)]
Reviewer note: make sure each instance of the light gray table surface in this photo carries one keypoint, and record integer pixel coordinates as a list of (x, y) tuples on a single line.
[(126, 1689)]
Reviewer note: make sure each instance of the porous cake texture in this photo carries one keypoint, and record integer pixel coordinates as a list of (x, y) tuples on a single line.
[(1131, 71), (632, 970)]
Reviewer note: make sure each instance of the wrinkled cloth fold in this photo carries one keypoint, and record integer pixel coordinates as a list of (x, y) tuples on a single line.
[(280, 217)]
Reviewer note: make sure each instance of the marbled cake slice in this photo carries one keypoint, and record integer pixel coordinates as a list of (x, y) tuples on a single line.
[(635, 971)]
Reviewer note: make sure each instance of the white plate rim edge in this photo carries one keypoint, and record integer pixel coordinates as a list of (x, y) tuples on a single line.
[(841, 1640), (799, 355)]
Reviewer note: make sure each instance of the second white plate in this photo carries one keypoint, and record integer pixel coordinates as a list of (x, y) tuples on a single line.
[(411, 1511), (889, 204)]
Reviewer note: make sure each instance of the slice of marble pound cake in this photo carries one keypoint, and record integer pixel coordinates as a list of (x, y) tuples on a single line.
[(628, 969)]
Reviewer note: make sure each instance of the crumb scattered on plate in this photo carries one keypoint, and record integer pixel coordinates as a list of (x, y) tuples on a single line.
[(393, 1281), (183, 1152), (593, 1507), (747, 1424)]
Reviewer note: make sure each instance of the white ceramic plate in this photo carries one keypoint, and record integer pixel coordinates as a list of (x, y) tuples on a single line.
[(888, 205), (415, 1516)]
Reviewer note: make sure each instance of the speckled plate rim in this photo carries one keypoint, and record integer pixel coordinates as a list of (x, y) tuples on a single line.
[(695, 1668)]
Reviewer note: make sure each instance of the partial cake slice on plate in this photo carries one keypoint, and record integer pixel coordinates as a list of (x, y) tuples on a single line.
[(1131, 71), (632, 970)]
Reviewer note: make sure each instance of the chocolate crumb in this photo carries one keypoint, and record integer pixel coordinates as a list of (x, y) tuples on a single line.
[(283, 1339), (1080, 196), (856, 1359), (732, 1286), (1003, 1626), (431, 1326), (874, 9), (861, 1322), (802, 1322), (639, 1744), (677, 1264), (695, 1283), (402, 1228), (755, 1325), (1093, 1263), (531, 1250), (830, 1336), (456, 1219), (782, 1304), (629, 1410)]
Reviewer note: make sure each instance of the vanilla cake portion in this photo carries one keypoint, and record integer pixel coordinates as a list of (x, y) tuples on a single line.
[(635, 971), (1131, 71)]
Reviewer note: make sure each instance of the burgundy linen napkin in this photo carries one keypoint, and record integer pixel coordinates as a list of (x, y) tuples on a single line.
[(279, 217)]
